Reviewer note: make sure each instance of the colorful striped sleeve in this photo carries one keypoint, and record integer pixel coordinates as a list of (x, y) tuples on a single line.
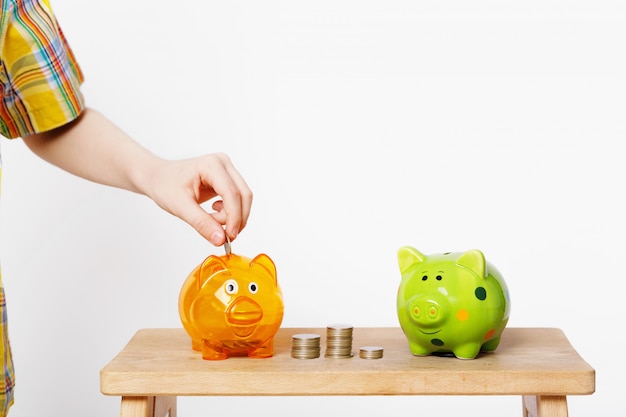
[(39, 76), (8, 382)]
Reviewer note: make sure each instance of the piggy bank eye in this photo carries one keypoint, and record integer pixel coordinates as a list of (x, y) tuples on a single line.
[(253, 288), (438, 277), (425, 277), (231, 287)]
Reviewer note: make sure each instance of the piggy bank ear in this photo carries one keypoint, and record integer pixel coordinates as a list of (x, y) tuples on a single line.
[(266, 263), (210, 266), (408, 256), (474, 260)]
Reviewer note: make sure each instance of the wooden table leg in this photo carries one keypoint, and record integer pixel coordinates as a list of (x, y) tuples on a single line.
[(137, 407), (148, 406), (165, 406), (544, 405), (529, 406)]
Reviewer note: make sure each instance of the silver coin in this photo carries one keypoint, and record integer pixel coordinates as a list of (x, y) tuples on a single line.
[(227, 245), (339, 326), (306, 336), (308, 355), (371, 352)]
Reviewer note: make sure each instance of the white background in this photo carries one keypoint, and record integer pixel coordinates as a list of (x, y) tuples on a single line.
[(361, 126)]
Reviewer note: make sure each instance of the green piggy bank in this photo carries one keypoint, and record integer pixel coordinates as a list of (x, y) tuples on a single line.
[(451, 303)]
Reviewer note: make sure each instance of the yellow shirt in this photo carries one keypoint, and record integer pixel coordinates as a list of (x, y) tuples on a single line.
[(39, 77), (39, 90)]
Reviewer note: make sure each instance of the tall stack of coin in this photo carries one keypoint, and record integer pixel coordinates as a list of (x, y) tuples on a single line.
[(305, 346), (371, 352), (338, 341)]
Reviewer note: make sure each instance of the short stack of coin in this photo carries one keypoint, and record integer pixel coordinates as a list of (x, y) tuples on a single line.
[(371, 352), (338, 341), (305, 346)]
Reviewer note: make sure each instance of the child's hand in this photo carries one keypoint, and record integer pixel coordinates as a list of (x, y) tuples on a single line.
[(179, 187)]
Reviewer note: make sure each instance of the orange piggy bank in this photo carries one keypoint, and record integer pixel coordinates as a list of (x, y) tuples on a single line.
[(231, 305)]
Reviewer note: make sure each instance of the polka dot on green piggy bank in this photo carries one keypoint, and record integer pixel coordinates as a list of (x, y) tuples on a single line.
[(451, 303)]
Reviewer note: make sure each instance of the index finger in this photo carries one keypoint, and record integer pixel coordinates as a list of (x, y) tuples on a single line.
[(236, 196)]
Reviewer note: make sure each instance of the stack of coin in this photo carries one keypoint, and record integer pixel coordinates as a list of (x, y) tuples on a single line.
[(371, 352), (339, 341), (305, 346)]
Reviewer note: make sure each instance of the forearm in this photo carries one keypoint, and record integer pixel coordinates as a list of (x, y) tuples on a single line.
[(95, 149), (92, 147)]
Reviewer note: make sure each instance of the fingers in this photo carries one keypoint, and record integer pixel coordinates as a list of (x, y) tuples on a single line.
[(241, 202), (180, 187), (236, 196), (206, 224)]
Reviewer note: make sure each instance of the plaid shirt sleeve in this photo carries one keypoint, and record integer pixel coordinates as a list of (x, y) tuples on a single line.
[(39, 90), (8, 380), (39, 76)]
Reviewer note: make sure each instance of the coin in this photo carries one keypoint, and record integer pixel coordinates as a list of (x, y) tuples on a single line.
[(305, 346), (227, 245), (371, 352), (305, 339), (339, 341)]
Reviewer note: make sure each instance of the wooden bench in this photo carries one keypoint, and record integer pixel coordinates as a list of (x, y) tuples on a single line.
[(538, 364)]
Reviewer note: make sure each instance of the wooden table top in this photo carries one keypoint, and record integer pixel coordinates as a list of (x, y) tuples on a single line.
[(529, 361)]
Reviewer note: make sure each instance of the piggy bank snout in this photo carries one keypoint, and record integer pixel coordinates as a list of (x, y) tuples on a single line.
[(428, 311), (244, 311)]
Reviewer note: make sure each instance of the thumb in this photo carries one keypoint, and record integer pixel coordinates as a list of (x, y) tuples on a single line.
[(205, 224)]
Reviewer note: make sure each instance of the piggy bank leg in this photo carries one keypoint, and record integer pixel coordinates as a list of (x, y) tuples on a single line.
[(196, 345), (419, 350), (491, 345), (210, 353), (265, 350), (467, 351)]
